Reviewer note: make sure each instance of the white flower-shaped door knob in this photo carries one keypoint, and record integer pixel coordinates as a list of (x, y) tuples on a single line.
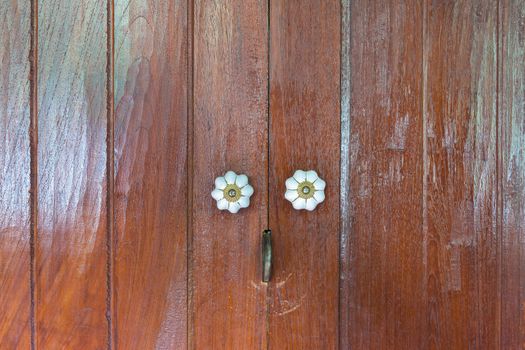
[(232, 192), (305, 189)]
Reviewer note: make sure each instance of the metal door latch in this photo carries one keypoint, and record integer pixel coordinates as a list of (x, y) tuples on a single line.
[(266, 255)]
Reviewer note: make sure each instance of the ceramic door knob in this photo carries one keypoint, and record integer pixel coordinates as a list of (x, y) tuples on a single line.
[(305, 190), (232, 192)]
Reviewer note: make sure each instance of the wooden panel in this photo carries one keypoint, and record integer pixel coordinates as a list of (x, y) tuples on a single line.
[(304, 134), (150, 184), (512, 157), (14, 175), (383, 248), (71, 247), (230, 133), (460, 174)]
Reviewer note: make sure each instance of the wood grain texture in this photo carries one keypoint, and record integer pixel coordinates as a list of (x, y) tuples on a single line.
[(304, 134), (384, 255), (230, 133), (14, 175), (460, 174), (150, 167), (71, 245), (512, 171), (419, 244)]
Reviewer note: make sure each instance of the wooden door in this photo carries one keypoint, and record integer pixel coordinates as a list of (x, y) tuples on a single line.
[(432, 225), (116, 116)]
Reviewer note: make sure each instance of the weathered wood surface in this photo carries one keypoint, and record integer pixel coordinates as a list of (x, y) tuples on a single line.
[(511, 153), (15, 300), (431, 276), (150, 94), (71, 242), (460, 184), (420, 243), (383, 265)]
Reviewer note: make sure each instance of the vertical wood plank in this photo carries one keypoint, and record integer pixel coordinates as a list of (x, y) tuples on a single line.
[(304, 134), (230, 133), (14, 175), (512, 174), (460, 173), (384, 258), (71, 247), (150, 169)]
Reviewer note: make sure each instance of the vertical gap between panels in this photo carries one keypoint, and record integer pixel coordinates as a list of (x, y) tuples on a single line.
[(499, 168), (110, 172), (189, 172), (33, 140), (424, 208), (344, 223), (268, 38), (268, 158)]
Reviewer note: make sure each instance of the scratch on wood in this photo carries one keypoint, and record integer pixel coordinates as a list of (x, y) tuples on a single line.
[(398, 139), (454, 278), (282, 283), (290, 307)]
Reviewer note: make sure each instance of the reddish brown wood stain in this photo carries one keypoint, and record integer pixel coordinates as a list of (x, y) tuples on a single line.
[(462, 287), (386, 171), (460, 174), (304, 134), (150, 174), (116, 116), (511, 153), (230, 133)]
